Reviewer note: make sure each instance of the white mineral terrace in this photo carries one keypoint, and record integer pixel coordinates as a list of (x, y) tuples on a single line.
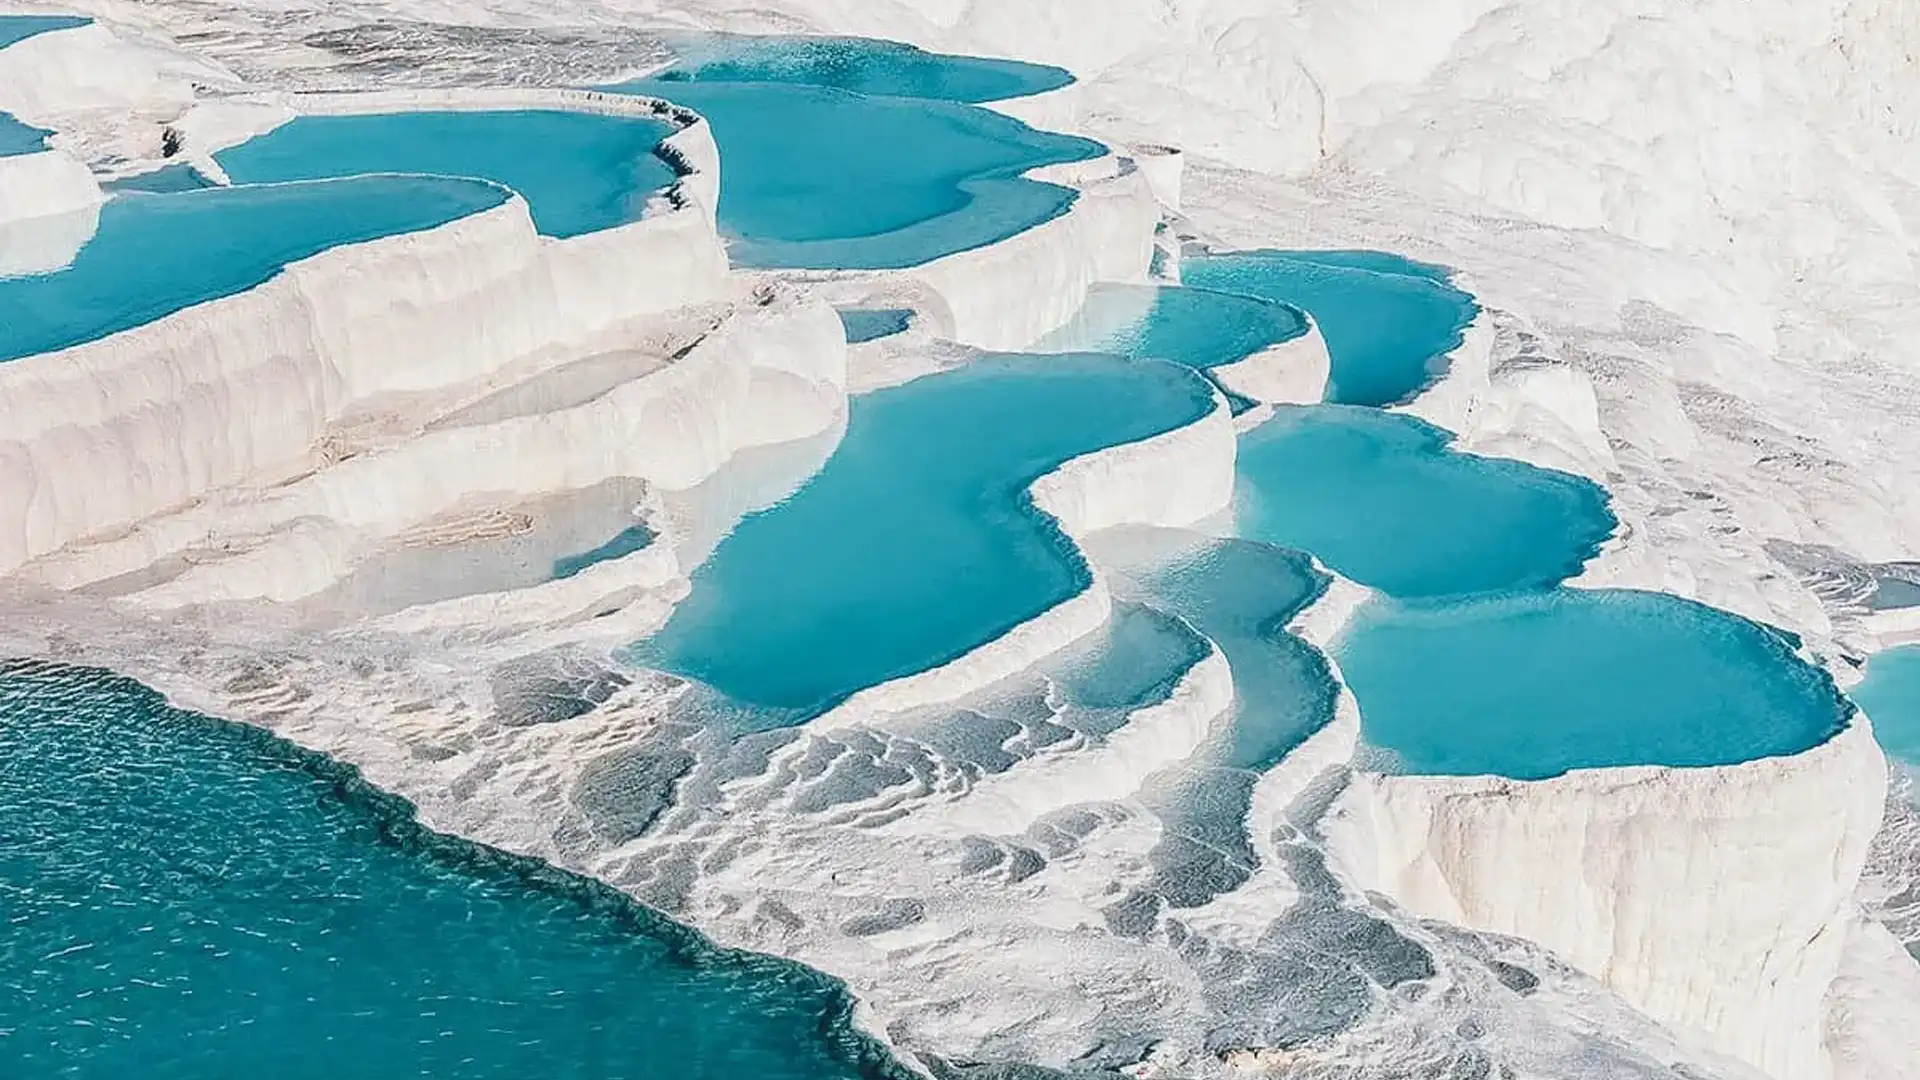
[(190, 501)]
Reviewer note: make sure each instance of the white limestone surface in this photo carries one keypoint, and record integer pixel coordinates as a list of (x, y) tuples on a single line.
[(1293, 372), (1007, 295), (49, 209), (245, 387), (1717, 900), (772, 372), (38, 185), (1007, 803)]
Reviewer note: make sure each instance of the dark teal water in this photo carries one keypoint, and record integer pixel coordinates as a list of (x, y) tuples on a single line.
[(1132, 662), (821, 178), (17, 138), (156, 254), (1196, 327), (165, 180), (626, 542), (871, 324), (1383, 499), (1388, 322), (861, 65), (1530, 685), (917, 541), (192, 899), (579, 172), (1890, 695), (16, 28)]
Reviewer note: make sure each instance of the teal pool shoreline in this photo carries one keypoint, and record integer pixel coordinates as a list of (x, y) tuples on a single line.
[(914, 545), (18, 139), (578, 171), (863, 65), (155, 255), (820, 178), (332, 810), (17, 28), (1627, 678)]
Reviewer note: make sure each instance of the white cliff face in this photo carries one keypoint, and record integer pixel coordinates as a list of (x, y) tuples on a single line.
[(49, 208), (248, 387), (1717, 900), (1293, 372), (1007, 295), (770, 373), (42, 185)]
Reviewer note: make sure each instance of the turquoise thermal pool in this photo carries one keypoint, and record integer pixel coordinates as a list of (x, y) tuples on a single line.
[(189, 898), (917, 542), (1200, 328), (1388, 322), (1385, 501), (818, 178), (860, 65), (18, 28), (1890, 696), (153, 255), (17, 138), (1531, 685), (579, 172)]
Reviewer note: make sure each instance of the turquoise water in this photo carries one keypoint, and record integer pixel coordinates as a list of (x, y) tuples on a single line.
[(862, 65), (871, 324), (156, 254), (579, 172), (165, 180), (1241, 595), (1382, 499), (1388, 322), (17, 138), (1380, 262), (1890, 695), (817, 178), (1196, 327), (187, 898), (15, 28), (626, 542), (917, 541), (1530, 685)]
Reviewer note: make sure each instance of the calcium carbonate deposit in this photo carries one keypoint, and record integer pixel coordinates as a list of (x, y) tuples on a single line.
[(1082, 538)]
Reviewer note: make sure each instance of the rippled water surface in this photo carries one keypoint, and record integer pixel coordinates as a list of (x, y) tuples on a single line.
[(187, 898), (579, 172)]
